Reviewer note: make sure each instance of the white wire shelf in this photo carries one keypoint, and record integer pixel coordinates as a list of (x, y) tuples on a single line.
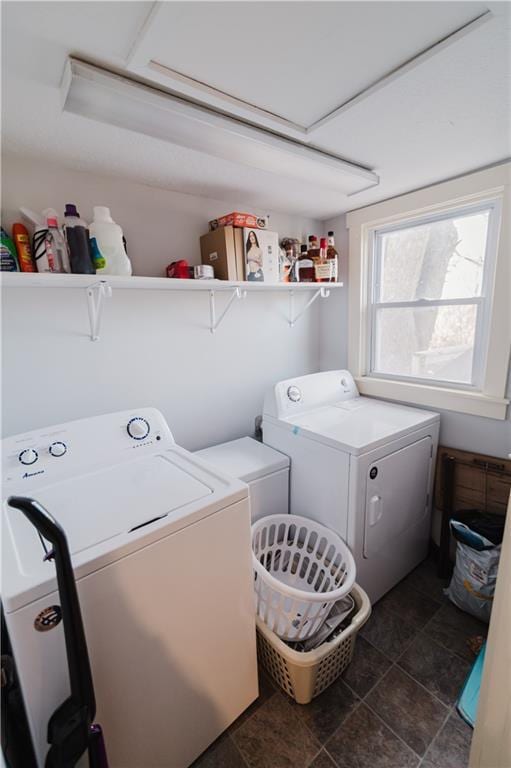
[(98, 288), (136, 282)]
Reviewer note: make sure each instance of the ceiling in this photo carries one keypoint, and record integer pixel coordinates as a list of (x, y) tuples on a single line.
[(415, 91), (297, 64)]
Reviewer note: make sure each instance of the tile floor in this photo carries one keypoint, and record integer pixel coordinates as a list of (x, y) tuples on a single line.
[(392, 708)]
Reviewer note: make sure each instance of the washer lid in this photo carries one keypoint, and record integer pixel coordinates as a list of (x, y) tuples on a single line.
[(99, 505), (112, 495), (360, 424), (246, 459)]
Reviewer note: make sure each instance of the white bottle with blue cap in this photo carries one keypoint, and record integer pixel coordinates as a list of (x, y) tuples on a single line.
[(109, 240)]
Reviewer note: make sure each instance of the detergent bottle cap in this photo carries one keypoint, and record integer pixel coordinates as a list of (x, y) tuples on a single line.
[(102, 213), (71, 210), (51, 222)]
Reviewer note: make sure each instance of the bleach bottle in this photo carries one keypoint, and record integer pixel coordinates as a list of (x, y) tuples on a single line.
[(108, 236)]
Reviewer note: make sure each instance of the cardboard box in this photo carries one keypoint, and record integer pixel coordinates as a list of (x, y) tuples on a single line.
[(223, 250), (262, 255), (237, 219)]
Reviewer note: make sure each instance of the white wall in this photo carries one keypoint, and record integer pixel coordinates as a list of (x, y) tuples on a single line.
[(334, 311), (155, 348), (160, 226), (457, 430)]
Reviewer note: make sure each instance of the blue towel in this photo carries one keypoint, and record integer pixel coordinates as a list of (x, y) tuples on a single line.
[(469, 699)]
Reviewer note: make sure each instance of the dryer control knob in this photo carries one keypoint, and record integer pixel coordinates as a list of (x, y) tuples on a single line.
[(58, 449), (28, 456), (138, 428), (294, 394)]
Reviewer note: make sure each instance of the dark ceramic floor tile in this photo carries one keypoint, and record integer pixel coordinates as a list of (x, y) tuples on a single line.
[(275, 737), (327, 711), (451, 748), (323, 760), (424, 579), (412, 713), (222, 754), (452, 628), (457, 721), (411, 606), (364, 740), (388, 632), (366, 668), (436, 668), (266, 689)]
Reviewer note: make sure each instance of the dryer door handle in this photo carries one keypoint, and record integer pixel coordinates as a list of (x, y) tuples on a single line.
[(375, 509)]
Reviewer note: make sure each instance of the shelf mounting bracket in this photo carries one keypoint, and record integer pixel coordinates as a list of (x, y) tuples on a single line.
[(214, 322), (293, 319), (96, 295)]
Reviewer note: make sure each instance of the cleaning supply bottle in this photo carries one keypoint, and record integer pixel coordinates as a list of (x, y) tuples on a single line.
[(21, 240), (8, 259), (77, 236), (109, 240), (38, 223), (57, 255)]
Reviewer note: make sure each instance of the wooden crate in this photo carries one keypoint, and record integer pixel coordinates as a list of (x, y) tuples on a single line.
[(480, 482)]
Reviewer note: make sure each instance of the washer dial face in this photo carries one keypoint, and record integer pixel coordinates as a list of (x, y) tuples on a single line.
[(138, 428), (58, 448), (294, 394), (28, 456)]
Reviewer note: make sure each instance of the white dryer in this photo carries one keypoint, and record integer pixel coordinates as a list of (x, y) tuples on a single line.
[(363, 467), (160, 544)]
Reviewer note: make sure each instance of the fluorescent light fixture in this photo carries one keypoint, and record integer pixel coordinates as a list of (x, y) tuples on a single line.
[(101, 95)]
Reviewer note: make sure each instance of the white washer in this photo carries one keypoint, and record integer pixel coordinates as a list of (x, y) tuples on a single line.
[(360, 466), (265, 471), (160, 544)]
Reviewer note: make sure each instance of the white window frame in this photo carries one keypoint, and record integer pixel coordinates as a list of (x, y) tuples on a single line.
[(489, 189), (483, 301)]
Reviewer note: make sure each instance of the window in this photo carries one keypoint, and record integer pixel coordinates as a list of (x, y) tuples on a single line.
[(429, 295), (430, 288)]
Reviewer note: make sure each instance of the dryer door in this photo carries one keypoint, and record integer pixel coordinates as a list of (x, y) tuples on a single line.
[(396, 494)]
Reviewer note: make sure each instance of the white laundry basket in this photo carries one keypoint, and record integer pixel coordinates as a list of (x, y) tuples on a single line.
[(301, 569)]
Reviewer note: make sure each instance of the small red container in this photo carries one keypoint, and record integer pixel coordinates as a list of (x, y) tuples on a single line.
[(180, 269)]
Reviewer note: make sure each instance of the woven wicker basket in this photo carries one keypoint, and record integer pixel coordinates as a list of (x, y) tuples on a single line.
[(305, 675)]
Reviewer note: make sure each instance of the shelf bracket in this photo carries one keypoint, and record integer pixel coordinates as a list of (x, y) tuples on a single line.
[(96, 295), (237, 293), (293, 319)]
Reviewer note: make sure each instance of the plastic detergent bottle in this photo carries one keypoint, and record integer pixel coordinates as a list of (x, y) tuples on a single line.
[(77, 236), (8, 260), (21, 240), (108, 237), (57, 256)]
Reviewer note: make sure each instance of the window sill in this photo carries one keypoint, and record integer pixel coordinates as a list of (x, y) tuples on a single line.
[(461, 401)]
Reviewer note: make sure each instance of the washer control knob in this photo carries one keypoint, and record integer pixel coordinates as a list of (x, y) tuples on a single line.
[(138, 428), (28, 456), (294, 394), (58, 449)]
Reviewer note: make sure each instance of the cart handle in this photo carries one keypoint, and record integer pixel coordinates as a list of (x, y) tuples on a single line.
[(80, 676)]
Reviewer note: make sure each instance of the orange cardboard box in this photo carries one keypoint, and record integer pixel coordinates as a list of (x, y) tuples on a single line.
[(237, 219)]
